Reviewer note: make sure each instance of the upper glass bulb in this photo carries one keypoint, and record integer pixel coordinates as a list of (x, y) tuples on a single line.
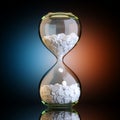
[(60, 32)]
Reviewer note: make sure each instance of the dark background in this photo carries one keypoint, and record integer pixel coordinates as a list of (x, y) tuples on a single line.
[(24, 59)]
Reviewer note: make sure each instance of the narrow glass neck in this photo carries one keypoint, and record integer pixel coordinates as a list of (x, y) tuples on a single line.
[(60, 58)]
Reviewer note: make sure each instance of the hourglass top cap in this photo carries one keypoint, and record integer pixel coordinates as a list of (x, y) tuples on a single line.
[(59, 15)]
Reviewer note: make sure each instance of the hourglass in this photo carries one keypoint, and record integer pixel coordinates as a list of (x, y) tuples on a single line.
[(60, 32)]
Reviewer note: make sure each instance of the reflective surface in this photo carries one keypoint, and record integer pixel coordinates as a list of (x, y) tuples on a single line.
[(69, 114), (80, 112)]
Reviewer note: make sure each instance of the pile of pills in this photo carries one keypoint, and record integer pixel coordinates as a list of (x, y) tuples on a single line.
[(60, 44), (62, 115), (60, 93)]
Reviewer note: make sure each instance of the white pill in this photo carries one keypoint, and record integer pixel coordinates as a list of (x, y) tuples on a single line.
[(60, 70), (64, 83), (60, 93), (58, 43), (67, 100)]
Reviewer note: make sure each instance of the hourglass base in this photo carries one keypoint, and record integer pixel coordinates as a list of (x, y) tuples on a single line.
[(59, 106)]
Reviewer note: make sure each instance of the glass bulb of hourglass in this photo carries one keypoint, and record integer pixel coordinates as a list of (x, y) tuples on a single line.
[(60, 32)]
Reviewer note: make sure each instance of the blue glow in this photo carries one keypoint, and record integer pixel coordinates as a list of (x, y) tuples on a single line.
[(26, 58)]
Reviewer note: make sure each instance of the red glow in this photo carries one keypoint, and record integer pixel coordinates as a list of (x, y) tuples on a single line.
[(93, 59)]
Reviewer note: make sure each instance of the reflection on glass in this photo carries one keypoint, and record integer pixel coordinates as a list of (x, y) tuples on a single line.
[(59, 115)]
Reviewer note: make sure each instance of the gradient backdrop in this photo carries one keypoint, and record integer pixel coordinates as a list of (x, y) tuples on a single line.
[(24, 59)]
